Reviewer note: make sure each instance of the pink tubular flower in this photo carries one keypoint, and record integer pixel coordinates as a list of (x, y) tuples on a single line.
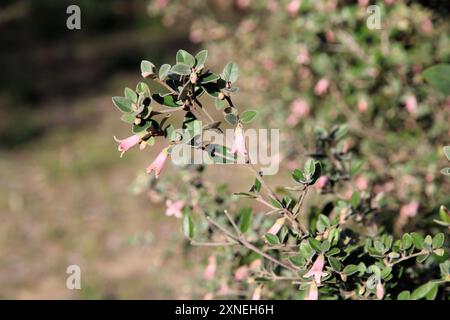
[(158, 164), (409, 210), (241, 273), (127, 143), (299, 110), (379, 290), (174, 208), (277, 226), (293, 7), (239, 141), (317, 269), (362, 183), (321, 182), (321, 86), (302, 56), (362, 105), (210, 270), (411, 104), (313, 293)]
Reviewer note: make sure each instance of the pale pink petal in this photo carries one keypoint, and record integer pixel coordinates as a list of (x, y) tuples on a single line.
[(321, 86), (239, 142), (210, 269), (241, 273)]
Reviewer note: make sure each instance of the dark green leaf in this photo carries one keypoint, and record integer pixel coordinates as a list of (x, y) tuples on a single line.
[(272, 239), (439, 77)]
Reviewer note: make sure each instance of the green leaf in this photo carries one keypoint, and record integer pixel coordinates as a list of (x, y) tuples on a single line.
[(325, 246), (272, 239), (245, 219), (188, 226), (417, 239), (422, 291), (168, 101), (209, 77), (309, 168), (355, 167), (438, 76), (201, 58), (231, 118), (142, 89), (335, 263), (446, 171), (248, 116), (164, 71), (185, 57), (181, 69), (128, 118), (230, 72), (438, 240), (350, 269), (298, 176), (444, 214), (123, 104), (315, 244), (296, 260), (147, 69), (447, 152), (355, 200), (404, 295), (130, 94), (406, 242)]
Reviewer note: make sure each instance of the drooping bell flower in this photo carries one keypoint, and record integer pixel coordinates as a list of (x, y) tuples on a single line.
[(210, 269), (313, 292), (239, 141), (158, 164), (241, 273), (321, 86), (277, 226), (173, 208), (127, 143), (317, 269)]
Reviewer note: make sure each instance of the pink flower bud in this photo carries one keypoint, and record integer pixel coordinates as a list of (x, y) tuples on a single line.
[(277, 226), (411, 104), (362, 105), (158, 164), (210, 270), (303, 56), (380, 290), (127, 143), (409, 210), (321, 182), (174, 208), (321, 86), (362, 183), (363, 3), (427, 25), (241, 273), (293, 7)]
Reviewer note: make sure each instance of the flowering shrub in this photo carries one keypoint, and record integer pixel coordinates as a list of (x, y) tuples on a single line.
[(338, 248)]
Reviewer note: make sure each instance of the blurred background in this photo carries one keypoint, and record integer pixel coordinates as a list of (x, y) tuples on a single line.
[(65, 196)]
